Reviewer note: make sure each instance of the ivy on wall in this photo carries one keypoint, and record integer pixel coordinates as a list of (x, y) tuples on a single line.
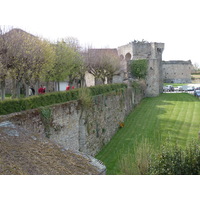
[(46, 116), (138, 68)]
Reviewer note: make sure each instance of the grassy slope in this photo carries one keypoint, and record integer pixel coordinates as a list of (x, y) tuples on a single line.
[(169, 117)]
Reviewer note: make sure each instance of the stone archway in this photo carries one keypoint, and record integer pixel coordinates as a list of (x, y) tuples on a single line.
[(128, 57)]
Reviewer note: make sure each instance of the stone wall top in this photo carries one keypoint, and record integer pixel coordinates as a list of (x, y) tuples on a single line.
[(178, 62)]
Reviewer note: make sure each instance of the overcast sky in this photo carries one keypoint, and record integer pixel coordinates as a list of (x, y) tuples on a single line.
[(112, 23)]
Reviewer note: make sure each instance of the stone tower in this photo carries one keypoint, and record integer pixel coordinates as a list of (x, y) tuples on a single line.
[(153, 53)]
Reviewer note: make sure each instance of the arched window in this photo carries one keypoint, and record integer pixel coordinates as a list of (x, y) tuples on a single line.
[(127, 56), (121, 57)]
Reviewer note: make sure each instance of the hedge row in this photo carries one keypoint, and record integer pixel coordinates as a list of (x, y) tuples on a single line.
[(17, 105), (101, 89)]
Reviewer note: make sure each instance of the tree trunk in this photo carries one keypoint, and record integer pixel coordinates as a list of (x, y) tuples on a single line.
[(14, 91), (3, 85), (103, 80), (47, 87), (54, 86), (27, 90), (18, 89), (82, 83), (37, 85), (110, 79), (96, 81), (71, 80), (58, 86)]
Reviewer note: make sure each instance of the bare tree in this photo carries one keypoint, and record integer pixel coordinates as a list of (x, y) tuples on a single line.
[(93, 63), (110, 63), (102, 63)]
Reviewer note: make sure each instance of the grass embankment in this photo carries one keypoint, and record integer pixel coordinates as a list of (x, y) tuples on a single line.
[(172, 118)]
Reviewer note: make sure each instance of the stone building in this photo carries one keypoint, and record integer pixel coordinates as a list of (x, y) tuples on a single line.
[(153, 53), (135, 51), (177, 71)]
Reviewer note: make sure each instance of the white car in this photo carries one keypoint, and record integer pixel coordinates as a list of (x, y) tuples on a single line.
[(168, 88), (176, 88)]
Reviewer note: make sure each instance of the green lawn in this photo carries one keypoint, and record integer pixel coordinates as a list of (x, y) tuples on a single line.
[(169, 118), (175, 84)]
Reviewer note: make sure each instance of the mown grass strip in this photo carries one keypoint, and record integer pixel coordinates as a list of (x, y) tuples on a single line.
[(172, 118)]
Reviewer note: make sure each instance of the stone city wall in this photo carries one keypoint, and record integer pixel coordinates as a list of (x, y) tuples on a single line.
[(75, 127)]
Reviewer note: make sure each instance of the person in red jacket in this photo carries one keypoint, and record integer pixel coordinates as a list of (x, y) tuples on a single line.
[(68, 87), (41, 90)]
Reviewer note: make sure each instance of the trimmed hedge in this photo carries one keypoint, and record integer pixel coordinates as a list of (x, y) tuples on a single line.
[(17, 105), (101, 89)]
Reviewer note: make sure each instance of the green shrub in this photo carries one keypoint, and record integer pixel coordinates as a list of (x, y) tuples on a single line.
[(85, 97), (46, 116), (177, 161), (17, 105), (170, 160), (101, 89), (138, 68), (136, 86)]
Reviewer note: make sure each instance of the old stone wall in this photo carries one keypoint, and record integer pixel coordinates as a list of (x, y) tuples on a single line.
[(177, 71), (75, 127), (153, 81)]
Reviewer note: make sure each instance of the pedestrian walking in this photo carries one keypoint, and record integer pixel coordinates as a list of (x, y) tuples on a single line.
[(41, 90), (68, 87)]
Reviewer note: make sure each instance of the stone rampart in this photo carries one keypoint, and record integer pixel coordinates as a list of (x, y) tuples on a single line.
[(75, 127)]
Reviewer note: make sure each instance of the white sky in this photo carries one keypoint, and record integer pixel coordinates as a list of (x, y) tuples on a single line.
[(112, 23)]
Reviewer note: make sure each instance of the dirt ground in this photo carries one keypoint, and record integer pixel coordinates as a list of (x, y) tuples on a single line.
[(33, 155)]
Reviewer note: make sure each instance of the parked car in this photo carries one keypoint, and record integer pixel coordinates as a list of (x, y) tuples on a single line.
[(168, 88), (180, 88), (197, 93), (190, 88), (185, 88), (196, 88), (176, 88)]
